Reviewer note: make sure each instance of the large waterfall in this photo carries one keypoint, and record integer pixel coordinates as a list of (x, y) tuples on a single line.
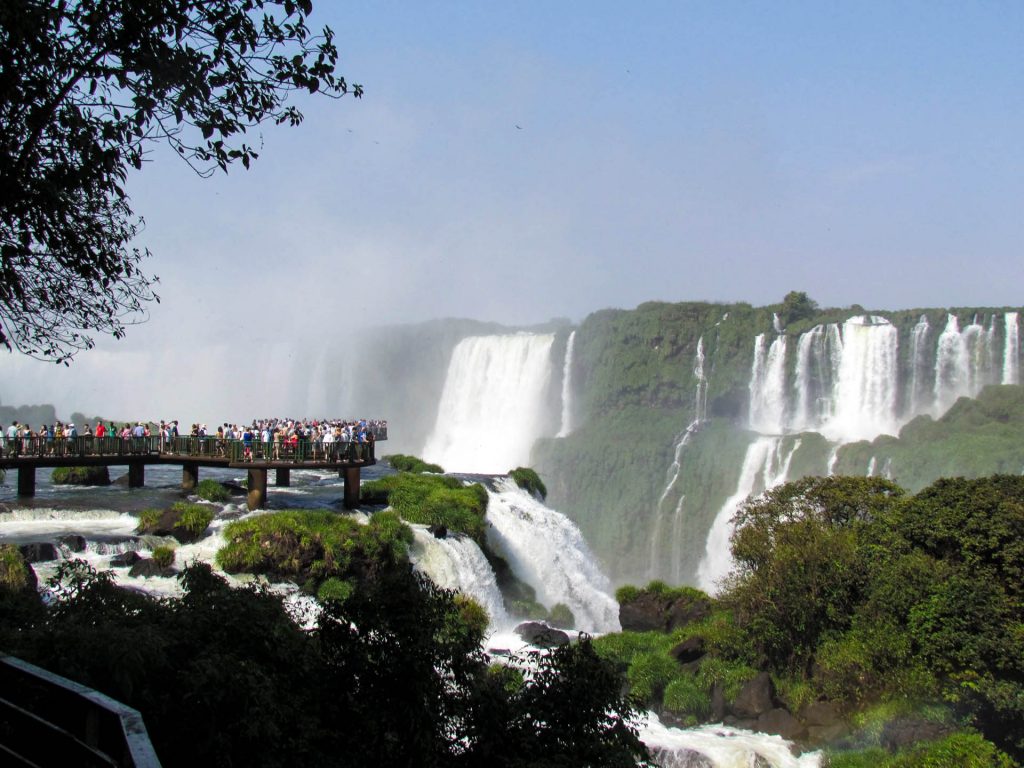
[(567, 403), (1011, 350), (494, 403)]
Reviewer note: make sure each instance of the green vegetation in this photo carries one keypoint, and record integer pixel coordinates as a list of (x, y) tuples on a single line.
[(404, 463), (211, 490), (392, 674), (81, 476), (164, 556), (959, 750), (14, 574), (148, 519), (529, 481), (562, 616), (433, 500), (311, 547), (194, 518)]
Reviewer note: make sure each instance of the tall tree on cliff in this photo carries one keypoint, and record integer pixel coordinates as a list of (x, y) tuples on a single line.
[(86, 89)]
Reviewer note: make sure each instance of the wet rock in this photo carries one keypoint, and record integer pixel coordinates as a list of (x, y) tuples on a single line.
[(39, 552), (438, 531), (72, 541), (755, 698), (540, 634), (650, 611), (147, 567), (688, 651), (780, 722), (681, 757), (125, 559)]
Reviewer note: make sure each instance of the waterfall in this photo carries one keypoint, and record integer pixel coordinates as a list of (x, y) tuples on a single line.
[(764, 467), (776, 323), (493, 405), (872, 463), (548, 552), (566, 428), (865, 390), (965, 362), (768, 386), (809, 355), (720, 746), (700, 409), (456, 562), (918, 365), (1011, 351)]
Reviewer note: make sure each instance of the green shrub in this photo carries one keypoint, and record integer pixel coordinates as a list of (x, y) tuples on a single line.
[(195, 518), (334, 589), (404, 463), (211, 490), (164, 556), (561, 616), (473, 615), (529, 481), (731, 675), (959, 750), (433, 500), (650, 673), (624, 647), (686, 698), (148, 518), (309, 547), (13, 569), (80, 476)]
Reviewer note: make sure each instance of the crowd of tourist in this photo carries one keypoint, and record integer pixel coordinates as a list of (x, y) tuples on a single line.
[(323, 439)]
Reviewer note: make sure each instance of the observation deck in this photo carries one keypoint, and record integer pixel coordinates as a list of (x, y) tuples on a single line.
[(26, 454)]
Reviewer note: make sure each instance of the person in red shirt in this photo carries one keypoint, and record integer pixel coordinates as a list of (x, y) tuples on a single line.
[(101, 431)]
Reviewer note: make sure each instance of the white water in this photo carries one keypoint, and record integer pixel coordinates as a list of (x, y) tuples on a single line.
[(918, 364), (567, 405), (1011, 350), (720, 745), (768, 386), (493, 403), (764, 467), (548, 552), (964, 362), (456, 562)]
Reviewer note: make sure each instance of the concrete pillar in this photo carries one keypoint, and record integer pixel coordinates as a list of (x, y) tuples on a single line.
[(189, 476), (284, 477), (257, 488), (136, 474), (351, 487), (26, 481)]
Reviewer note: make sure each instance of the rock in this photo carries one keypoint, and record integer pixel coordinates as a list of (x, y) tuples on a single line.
[(438, 531), (146, 567), (821, 713), (40, 552), (680, 757), (540, 634), (650, 611), (906, 731), (755, 698), (718, 701), (81, 476), (125, 559), (825, 734), (760, 761), (234, 488), (781, 723), (168, 525), (688, 651), (72, 541)]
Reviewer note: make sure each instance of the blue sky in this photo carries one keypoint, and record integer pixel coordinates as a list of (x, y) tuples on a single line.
[(522, 161)]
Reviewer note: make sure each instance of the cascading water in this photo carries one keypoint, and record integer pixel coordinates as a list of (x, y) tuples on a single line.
[(493, 405), (548, 552), (567, 405), (765, 466), (719, 746), (1011, 350), (964, 362), (456, 562), (768, 386), (919, 368)]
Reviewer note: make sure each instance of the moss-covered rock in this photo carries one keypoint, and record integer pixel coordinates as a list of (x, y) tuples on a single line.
[(658, 607), (432, 500), (185, 521), (212, 490), (414, 464), (16, 575), (311, 547), (529, 481), (81, 476)]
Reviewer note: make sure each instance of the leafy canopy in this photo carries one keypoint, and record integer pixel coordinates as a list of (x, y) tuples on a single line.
[(86, 89)]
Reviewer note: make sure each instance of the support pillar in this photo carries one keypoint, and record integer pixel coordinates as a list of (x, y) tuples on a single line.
[(189, 476), (26, 481), (136, 474), (351, 487), (284, 477), (257, 488)]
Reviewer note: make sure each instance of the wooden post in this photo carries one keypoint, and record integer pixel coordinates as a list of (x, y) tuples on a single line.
[(351, 487), (189, 476), (257, 488), (284, 477), (136, 474), (26, 481)]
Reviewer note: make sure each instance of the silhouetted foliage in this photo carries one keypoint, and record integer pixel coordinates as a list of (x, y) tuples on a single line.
[(87, 88)]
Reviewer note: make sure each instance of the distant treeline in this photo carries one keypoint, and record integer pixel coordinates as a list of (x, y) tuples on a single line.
[(35, 415)]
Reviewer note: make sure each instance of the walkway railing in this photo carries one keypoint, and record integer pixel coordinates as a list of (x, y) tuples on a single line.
[(210, 447)]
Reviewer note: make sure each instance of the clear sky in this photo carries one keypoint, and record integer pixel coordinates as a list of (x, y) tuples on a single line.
[(520, 161)]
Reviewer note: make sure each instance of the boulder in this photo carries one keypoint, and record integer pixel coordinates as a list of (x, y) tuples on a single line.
[(81, 476), (906, 731), (826, 734), (689, 650), (756, 697), (541, 635), (72, 541), (125, 559), (168, 525), (39, 552), (438, 531), (147, 567), (718, 707), (821, 713), (780, 722), (651, 611)]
